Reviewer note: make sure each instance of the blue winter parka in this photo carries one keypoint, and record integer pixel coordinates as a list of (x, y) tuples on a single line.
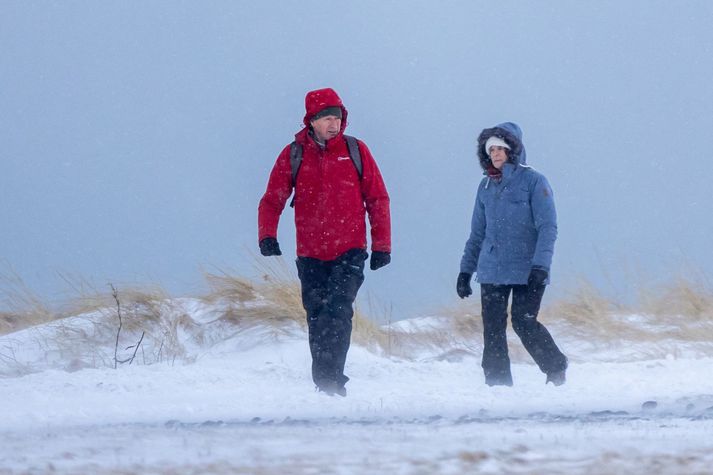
[(514, 223)]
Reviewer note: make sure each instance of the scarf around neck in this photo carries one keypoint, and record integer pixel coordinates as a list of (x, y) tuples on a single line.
[(494, 174)]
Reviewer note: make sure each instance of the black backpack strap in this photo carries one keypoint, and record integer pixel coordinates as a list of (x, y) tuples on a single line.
[(354, 153), (295, 160), (295, 163)]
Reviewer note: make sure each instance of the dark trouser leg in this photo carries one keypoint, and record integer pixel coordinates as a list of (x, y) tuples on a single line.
[(329, 289), (535, 337), (496, 361), (342, 286), (313, 275)]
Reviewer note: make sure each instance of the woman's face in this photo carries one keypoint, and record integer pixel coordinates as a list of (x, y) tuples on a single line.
[(498, 155)]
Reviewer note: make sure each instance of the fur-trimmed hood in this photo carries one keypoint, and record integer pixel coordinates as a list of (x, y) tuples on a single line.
[(511, 133)]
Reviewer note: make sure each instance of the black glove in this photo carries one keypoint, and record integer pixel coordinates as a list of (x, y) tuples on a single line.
[(270, 247), (538, 276), (463, 285), (379, 259)]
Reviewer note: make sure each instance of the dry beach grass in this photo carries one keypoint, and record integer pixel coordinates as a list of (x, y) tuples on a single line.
[(585, 320)]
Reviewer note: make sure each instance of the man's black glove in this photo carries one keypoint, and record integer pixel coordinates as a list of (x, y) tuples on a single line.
[(379, 259), (463, 285), (270, 247), (538, 276)]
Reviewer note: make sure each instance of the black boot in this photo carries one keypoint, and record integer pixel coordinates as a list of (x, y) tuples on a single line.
[(498, 381), (330, 389), (558, 378)]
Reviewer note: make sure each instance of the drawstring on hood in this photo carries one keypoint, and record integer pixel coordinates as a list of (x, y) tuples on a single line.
[(493, 174)]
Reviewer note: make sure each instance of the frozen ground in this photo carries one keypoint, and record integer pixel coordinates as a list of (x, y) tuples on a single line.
[(247, 405)]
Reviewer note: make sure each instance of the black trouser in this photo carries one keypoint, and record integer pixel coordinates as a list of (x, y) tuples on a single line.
[(534, 336), (329, 289)]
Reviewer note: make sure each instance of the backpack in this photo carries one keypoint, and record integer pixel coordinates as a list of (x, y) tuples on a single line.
[(296, 160)]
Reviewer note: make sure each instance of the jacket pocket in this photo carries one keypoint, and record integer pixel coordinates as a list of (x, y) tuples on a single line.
[(519, 195)]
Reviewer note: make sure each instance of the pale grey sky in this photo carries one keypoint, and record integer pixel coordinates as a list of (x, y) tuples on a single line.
[(136, 137)]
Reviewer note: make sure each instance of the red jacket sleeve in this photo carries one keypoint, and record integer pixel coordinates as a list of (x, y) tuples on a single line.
[(377, 202), (279, 188)]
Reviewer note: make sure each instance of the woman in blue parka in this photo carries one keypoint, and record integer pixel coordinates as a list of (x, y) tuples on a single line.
[(510, 248)]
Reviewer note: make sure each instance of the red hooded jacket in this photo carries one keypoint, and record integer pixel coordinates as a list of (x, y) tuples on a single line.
[(331, 201)]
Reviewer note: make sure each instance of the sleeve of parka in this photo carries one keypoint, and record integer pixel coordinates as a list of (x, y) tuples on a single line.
[(376, 200), (279, 189), (545, 218), (471, 253)]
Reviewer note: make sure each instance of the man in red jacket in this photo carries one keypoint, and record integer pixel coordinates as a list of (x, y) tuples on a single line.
[(331, 201)]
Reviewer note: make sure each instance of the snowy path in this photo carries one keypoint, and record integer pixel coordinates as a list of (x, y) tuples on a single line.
[(257, 413), (248, 406), (536, 444)]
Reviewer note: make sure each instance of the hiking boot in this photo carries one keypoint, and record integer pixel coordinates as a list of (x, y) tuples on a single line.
[(498, 381), (558, 378), (331, 389)]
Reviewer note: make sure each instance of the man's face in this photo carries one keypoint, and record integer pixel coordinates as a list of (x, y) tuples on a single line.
[(327, 127)]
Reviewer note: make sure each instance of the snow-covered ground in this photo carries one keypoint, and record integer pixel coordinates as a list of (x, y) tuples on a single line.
[(246, 404)]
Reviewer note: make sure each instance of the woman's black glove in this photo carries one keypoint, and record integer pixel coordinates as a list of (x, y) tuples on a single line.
[(538, 277), (463, 285)]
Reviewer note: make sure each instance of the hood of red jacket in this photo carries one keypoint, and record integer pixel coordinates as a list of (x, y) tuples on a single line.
[(320, 99)]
